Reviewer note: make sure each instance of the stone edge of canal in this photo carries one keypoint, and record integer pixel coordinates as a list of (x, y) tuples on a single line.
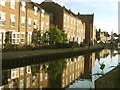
[(71, 52)]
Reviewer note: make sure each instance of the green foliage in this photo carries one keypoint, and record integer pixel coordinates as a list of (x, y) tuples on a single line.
[(54, 71), (102, 66), (115, 35), (98, 38), (56, 35), (35, 69)]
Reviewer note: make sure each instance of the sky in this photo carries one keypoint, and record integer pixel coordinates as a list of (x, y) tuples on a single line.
[(105, 11)]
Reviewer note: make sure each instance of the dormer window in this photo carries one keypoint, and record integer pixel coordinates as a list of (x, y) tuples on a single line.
[(23, 6), (43, 11), (36, 9)]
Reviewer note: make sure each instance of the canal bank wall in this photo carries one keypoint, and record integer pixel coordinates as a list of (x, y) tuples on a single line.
[(109, 80), (24, 57)]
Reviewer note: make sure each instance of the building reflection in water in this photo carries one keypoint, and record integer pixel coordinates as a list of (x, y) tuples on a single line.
[(74, 68), (56, 74), (34, 76)]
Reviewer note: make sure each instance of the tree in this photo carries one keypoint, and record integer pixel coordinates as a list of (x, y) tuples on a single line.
[(56, 35), (98, 38), (115, 35)]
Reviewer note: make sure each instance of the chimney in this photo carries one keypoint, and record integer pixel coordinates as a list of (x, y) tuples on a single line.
[(63, 6), (78, 13)]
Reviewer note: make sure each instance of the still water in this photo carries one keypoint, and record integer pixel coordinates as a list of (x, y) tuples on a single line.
[(75, 72)]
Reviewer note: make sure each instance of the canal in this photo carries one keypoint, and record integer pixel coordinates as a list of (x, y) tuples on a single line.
[(74, 72)]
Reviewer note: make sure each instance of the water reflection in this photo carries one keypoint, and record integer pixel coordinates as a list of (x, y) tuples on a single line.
[(74, 72)]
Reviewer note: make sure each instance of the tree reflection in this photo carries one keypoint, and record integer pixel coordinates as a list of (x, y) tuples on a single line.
[(54, 71)]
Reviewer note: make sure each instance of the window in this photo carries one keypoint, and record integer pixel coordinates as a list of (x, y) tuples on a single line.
[(13, 4), (66, 81), (35, 24), (42, 26), (68, 19), (40, 87), (35, 12), (11, 85), (73, 67), (77, 22), (28, 69), (2, 19), (41, 76), (77, 30), (73, 76), (70, 78), (12, 20), (47, 26), (64, 27), (2, 2), (17, 72), (15, 38), (28, 81), (41, 67), (68, 29), (22, 38), (70, 68), (13, 73), (46, 75), (64, 17), (29, 23), (74, 21), (34, 80), (74, 30), (71, 20), (66, 71), (23, 6), (17, 35), (21, 83), (63, 82), (43, 11), (21, 71), (76, 65), (63, 73), (23, 22), (13, 35), (71, 30)]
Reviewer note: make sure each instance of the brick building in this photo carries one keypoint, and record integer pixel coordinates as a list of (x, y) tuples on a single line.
[(22, 22), (66, 20), (88, 19)]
